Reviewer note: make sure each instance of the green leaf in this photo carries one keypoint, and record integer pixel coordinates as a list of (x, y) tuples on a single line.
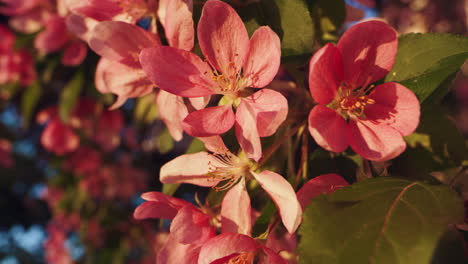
[(437, 145), (195, 146), (290, 19), (381, 220), (329, 16), (29, 102), (264, 219), (445, 139), (164, 142), (146, 110), (69, 96), (425, 61)]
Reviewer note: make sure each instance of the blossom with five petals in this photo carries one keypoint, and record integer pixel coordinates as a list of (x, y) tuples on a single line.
[(233, 63), (223, 170), (351, 111)]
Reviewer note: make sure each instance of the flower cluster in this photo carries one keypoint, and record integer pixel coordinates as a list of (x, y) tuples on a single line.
[(219, 88)]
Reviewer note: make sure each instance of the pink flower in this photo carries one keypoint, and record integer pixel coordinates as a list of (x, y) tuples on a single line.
[(56, 36), (190, 227), (59, 138), (80, 165), (237, 248), (26, 16), (15, 65), (6, 157), (55, 250), (119, 43), (223, 170), (122, 10), (233, 64), (351, 112), (119, 71)]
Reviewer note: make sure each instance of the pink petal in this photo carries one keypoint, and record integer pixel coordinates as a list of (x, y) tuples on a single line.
[(154, 210), (327, 183), (246, 131), (224, 245), (54, 37), (368, 50), (263, 59), (270, 109), (236, 210), (80, 26), (222, 36), (395, 106), (74, 53), (328, 128), (175, 252), (100, 10), (209, 121), (325, 74), (199, 102), (59, 138), (190, 168), (8, 38), (191, 226), (178, 23), (282, 193), (29, 22), (214, 144), (122, 80), (120, 42), (164, 198), (177, 71), (172, 111), (159, 205), (17, 7), (374, 141)]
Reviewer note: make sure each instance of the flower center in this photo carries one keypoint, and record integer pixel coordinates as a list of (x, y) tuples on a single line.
[(230, 81), (352, 102), (243, 258), (228, 170)]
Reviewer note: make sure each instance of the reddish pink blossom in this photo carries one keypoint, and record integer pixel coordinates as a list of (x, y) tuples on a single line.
[(123, 10), (233, 64), (108, 128), (56, 36), (55, 249), (223, 170), (351, 112), (190, 227), (26, 16), (59, 138), (229, 248), (119, 70), (85, 160), (6, 159), (15, 65), (120, 181)]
